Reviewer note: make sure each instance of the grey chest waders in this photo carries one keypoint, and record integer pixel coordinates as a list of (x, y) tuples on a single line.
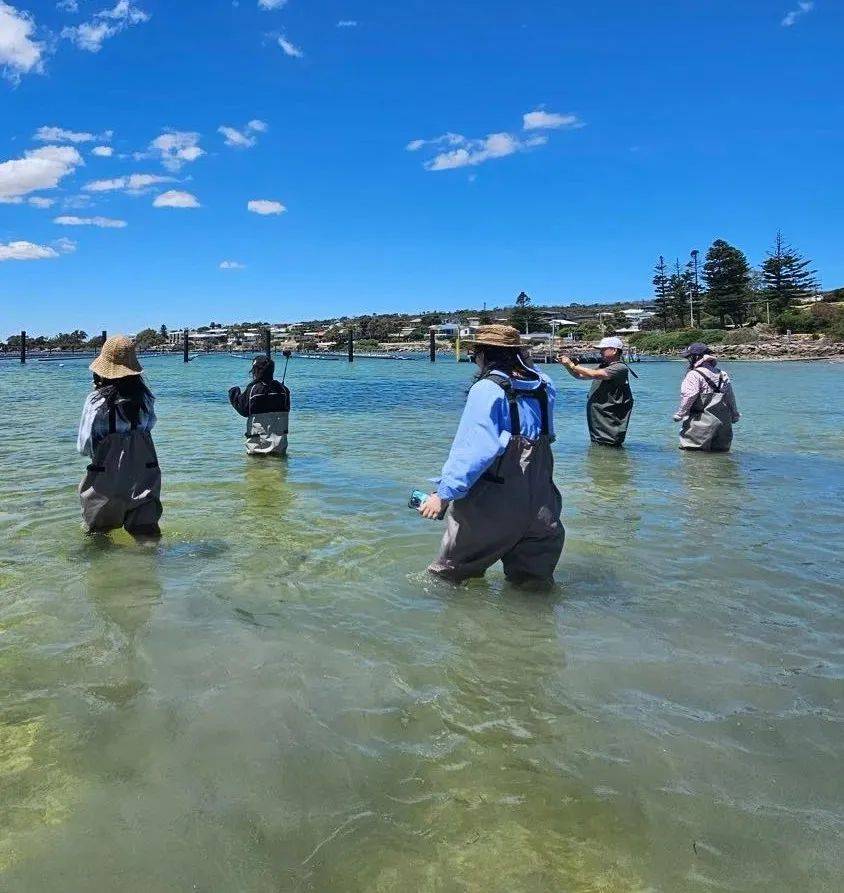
[(266, 434), (709, 425), (122, 486), (608, 410), (512, 513)]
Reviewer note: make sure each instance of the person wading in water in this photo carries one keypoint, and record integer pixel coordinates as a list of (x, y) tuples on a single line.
[(707, 408), (497, 489), (610, 401), (122, 486), (266, 405)]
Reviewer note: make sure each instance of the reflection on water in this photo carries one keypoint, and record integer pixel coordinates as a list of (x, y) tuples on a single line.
[(277, 697)]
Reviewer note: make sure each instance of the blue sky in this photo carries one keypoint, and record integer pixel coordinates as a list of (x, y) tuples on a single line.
[(566, 146)]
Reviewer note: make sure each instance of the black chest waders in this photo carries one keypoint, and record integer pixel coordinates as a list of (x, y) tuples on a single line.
[(709, 425), (608, 410), (122, 486), (512, 514)]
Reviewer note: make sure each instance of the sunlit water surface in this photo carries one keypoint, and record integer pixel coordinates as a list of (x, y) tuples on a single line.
[(278, 698)]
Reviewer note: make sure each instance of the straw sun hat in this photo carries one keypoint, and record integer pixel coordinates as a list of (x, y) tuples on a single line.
[(117, 359), (497, 336)]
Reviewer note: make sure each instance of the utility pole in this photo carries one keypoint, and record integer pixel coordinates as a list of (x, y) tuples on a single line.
[(696, 292)]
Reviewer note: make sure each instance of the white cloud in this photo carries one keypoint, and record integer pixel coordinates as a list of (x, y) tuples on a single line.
[(236, 139), (792, 17), (19, 53), (38, 169), (25, 251), (290, 49), (105, 24), (232, 265), (68, 5), (133, 184), (265, 206), (470, 152), (542, 120), (65, 246), (38, 202), (271, 4), (60, 135), (176, 147), (242, 139), (102, 151), (347, 23), (176, 199), (102, 222)]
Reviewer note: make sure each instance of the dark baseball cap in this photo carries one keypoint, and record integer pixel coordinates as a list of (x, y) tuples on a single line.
[(698, 349)]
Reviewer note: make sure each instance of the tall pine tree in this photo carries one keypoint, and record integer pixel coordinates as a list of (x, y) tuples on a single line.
[(680, 284), (662, 293), (786, 277), (726, 273)]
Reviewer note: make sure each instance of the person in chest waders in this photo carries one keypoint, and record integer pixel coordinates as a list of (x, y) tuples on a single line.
[(265, 404), (122, 486), (497, 489), (707, 408), (610, 402)]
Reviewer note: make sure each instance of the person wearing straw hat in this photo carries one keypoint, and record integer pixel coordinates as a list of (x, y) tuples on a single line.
[(122, 485), (497, 489), (610, 401)]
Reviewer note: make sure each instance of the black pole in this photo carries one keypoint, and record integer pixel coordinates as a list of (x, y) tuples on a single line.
[(185, 343), (432, 345), (105, 336), (23, 347), (268, 345), (351, 344)]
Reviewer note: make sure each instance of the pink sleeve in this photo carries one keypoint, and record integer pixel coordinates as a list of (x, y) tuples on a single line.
[(689, 390)]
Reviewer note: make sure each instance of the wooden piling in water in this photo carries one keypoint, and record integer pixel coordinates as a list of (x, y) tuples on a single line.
[(432, 345), (185, 341), (105, 336), (268, 343), (23, 347), (351, 344)]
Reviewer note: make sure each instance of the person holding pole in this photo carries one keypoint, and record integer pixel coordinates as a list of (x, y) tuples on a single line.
[(610, 401), (265, 404)]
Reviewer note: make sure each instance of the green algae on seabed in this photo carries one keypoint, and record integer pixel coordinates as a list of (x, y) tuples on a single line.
[(277, 697)]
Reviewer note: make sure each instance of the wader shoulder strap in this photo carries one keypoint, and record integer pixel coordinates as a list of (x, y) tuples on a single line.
[(540, 395), (716, 384)]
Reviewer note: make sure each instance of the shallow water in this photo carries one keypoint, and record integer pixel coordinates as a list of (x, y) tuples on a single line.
[(278, 698)]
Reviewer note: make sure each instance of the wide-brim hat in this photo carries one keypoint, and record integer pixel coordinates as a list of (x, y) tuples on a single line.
[(496, 335), (117, 359)]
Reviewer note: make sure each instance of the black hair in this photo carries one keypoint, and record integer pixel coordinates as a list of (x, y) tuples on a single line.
[(263, 369), (130, 394), (508, 360)]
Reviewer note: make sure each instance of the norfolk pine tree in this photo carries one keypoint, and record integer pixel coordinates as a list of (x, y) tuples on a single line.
[(662, 292), (726, 273), (786, 277)]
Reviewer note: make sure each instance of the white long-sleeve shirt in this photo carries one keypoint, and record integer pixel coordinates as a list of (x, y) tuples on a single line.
[(93, 426)]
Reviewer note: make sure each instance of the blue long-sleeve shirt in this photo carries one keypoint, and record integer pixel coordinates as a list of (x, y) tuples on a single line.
[(484, 432)]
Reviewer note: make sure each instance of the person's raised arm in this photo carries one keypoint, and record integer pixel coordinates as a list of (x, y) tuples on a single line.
[(240, 401), (689, 390), (577, 371)]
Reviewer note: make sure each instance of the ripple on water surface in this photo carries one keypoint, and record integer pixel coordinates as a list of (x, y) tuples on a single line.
[(276, 696)]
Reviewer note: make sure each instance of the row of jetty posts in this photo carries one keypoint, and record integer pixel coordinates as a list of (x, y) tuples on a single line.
[(268, 347)]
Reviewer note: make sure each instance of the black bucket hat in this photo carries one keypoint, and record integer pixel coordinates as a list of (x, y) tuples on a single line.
[(698, 349)]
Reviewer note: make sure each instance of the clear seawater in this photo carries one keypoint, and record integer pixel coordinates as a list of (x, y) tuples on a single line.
[(277, 697)]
